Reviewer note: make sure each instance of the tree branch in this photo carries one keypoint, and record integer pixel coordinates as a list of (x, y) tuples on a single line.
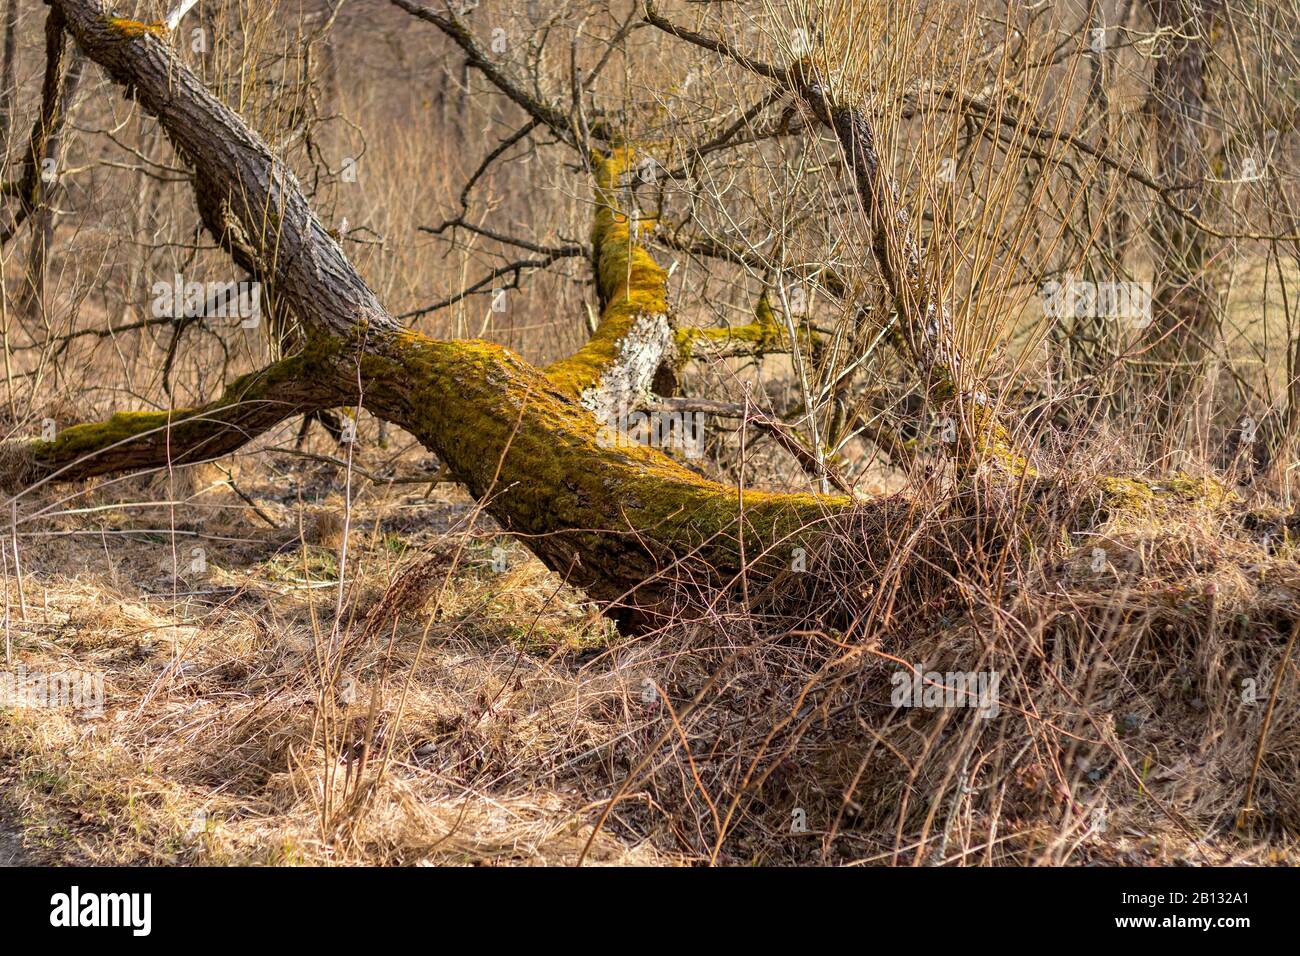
[(544, 113)]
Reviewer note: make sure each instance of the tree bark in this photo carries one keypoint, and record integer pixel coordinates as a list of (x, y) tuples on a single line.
[(43, 216), (1185, 302), (132, 441), (8, 73)]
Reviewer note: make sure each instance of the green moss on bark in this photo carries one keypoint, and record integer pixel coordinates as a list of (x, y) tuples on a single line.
[(267, 395), (759, 337), (609, 517), (1126, 498), (135, 28), (630, 283)]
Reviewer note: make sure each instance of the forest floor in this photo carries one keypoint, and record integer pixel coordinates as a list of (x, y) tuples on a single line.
[(504, 711), (11, 846), (211, 743)]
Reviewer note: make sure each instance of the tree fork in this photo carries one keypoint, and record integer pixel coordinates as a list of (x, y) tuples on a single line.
[(609, 514), (622, 520)]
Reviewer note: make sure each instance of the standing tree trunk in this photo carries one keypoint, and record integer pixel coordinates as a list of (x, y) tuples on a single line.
[(8, 73), (1186, 306), (44, 217)]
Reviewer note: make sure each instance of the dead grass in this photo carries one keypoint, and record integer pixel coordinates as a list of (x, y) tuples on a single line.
[(464, 714), (217, 732)]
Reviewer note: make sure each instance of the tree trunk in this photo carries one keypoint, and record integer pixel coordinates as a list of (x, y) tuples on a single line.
[(622, 520), (1185, 302), (8, 73), (615, 517), (44, 217)]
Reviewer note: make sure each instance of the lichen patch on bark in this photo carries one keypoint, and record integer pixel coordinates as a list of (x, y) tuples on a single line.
[(635, 335)]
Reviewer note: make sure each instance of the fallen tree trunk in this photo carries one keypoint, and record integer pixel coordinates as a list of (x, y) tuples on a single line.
[(622, 520)]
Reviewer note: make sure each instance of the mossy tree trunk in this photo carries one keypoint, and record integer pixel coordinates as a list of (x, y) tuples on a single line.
[(620, 519)]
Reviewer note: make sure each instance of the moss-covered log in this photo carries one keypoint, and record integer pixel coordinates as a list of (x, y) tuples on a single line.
[(614, 516), (618, 518), (621, 519), (133, 441)]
